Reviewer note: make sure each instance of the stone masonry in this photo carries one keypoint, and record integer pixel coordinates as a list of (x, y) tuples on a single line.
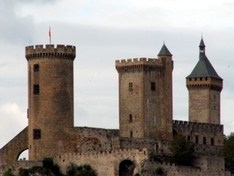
[(145, 117)]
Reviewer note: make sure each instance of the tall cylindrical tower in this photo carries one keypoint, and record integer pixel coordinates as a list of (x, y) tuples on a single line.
[(50, 97)]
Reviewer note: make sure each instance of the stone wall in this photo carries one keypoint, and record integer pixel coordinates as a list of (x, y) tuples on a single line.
[(206, 166), (87, 139), (10, 152), (19, 164), (105, 163), (200, 133)]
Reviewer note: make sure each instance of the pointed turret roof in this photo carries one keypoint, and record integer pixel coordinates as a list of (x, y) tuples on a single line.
[(164, 51), (203, 68)]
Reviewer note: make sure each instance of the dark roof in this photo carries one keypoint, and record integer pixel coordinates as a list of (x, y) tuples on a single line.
[(203, 68), (164, 51), (202, 44)]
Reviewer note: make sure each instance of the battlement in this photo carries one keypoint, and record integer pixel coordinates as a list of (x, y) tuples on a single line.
[(204, 83), (137, 64), (138, 61), (50, 51), (126, 153), (198, 126)]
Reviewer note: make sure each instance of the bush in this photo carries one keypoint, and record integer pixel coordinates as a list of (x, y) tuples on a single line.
[(159, 171), (23, 172), (82, 170), (182, 150), (8, 173)]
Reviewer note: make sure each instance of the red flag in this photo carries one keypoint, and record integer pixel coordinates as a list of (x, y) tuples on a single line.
[(50, 35), (49, 32)]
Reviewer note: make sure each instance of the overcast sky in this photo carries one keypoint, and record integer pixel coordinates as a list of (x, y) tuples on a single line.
[(104, 31)]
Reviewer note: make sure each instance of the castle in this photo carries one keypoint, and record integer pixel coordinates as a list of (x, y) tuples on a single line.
[(146, 122)]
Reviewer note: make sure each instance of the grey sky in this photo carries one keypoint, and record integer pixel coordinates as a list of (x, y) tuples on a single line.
[(104, 31)]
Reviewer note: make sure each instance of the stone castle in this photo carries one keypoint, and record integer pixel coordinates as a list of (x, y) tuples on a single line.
[(146, 122)]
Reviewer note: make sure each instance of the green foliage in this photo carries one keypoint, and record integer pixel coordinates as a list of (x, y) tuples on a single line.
[(49, 168), (159, 171), (37, 169), (228, 152), (82, 170), (48, 163), (23, 172), (182, 150), (72, 169), (8, 173)]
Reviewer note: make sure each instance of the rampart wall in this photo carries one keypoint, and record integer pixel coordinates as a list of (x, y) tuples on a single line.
[(200, 133), (19, 164), (109, 161), (87, 139), (154, 147), (205, 166), (10, 152)]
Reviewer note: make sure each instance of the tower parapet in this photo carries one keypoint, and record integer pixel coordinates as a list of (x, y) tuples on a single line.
[(137, 63), (50, 51), (204, 83)]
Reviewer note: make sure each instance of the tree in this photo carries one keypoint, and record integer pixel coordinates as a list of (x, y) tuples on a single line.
[(182, 150), (228, 152), (81, 170), (72, 169), (8, 173), (23, 172)]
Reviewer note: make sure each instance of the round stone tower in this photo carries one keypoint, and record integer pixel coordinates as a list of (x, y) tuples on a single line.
[(50, 97)]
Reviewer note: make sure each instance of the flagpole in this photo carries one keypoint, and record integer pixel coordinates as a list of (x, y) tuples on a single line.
[(50, 35)]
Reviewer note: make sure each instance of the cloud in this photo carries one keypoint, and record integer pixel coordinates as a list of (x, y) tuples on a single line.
[(13, 120), (14, 29), (104, 31)]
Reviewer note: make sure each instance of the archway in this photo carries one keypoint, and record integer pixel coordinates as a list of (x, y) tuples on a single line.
[(126, 168), (23, 155)]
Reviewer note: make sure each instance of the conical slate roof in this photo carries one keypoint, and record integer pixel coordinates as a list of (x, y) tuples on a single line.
[(164, 51), (203, 68)]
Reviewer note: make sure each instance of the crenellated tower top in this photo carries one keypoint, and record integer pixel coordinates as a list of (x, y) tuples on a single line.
[(50, 51), (137, 63)]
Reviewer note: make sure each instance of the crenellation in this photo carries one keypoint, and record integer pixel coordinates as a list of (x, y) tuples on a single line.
[(135, 61), (50, 51), (140, 79)]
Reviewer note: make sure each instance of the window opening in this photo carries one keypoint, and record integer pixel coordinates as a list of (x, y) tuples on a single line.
[(130, 117), (131, 134), (36, 67), (36, 89), (153, 86), (196, 139), (212, 141), (204, 140), (130, 87), (36, 133)]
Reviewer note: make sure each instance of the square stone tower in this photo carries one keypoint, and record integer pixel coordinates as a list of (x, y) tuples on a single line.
[(145, 97)]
